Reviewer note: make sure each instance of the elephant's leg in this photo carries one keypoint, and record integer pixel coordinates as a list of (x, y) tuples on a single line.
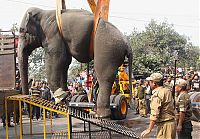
[(103, 99), (64, 72), (106, 74), (57, 63)]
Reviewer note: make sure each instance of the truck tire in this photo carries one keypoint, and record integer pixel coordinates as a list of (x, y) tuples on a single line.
[(122, 107), (195, 97), (82, 98), (112, 99), (73, 99)]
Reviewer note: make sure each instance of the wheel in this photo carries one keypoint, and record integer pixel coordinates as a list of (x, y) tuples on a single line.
[(122, 107), (73, 99), (195, 97), (112, 98), (82, 98)]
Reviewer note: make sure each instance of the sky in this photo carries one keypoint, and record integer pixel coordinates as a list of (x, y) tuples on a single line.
[(124, 14)]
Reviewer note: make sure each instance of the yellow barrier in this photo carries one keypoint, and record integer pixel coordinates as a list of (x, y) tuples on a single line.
[(21, 98)]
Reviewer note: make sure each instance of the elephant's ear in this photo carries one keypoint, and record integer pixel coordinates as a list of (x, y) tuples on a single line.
[(30, 23)]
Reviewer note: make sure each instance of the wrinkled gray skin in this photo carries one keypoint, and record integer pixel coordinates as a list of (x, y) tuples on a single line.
[(39, 29)]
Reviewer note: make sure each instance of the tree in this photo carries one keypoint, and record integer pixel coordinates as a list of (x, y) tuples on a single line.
[(155, 47), (36, 65), (15, 27)]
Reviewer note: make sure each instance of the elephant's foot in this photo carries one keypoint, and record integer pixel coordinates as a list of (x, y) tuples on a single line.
[(59, 95), (103, 113)]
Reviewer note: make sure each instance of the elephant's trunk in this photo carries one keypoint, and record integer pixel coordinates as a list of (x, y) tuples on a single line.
[(23, 64)]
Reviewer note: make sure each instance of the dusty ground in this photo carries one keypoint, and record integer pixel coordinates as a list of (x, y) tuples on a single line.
[(133, 121)]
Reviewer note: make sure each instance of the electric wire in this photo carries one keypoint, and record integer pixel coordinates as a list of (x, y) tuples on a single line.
[(112, 16)]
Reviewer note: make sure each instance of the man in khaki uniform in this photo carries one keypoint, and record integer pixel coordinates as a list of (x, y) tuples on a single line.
[(184, 110), (141, 95), (136, 98), (162, 109)]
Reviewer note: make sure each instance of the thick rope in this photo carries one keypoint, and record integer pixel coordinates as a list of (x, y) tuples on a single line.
[(60, 5)]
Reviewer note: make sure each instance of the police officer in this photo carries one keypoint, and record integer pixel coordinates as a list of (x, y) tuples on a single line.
[(162, 109), (184, 110), (142, 95), (136, 98), (148, 95)]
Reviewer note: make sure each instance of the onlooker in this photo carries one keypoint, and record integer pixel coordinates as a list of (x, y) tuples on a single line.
[(136, 98), (71, 89), (3, 117), (148, 95), (184, 110), (142, 95), (79, 89), (45, 91), (36, 91), (196, 83), (162, 109), (95, 85), (189, 77), (168, 83)]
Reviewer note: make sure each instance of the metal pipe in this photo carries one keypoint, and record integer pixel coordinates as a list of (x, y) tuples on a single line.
[(20, 113), (69, 126), (51, 121), (14, 103), (6, 112), (84, 127), (30, 115), (89, 130), (44, 122)]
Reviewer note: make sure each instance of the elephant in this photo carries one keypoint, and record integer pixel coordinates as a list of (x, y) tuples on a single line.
[(38, 28)]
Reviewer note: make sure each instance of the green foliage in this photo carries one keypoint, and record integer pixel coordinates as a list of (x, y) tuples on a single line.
[(36, 64), (156, 47), (15, 27)]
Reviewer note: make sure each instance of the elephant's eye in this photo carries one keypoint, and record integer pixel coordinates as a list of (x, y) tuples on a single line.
[(21, 30)]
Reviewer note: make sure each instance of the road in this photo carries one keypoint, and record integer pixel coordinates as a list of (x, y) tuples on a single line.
[(135, 122)]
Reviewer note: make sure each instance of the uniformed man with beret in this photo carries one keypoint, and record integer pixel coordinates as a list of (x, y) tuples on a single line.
[(184, 110), (162, 109)]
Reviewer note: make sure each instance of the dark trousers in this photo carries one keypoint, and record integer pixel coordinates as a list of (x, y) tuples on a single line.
[(3, 117), (148, 106), (36, 112), (137, 106), (186, 131), (95, 89), (17, 116)]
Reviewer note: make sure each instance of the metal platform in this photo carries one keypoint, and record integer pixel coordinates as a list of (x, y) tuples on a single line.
[(112, 129), (87, 105), (94, 135)]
